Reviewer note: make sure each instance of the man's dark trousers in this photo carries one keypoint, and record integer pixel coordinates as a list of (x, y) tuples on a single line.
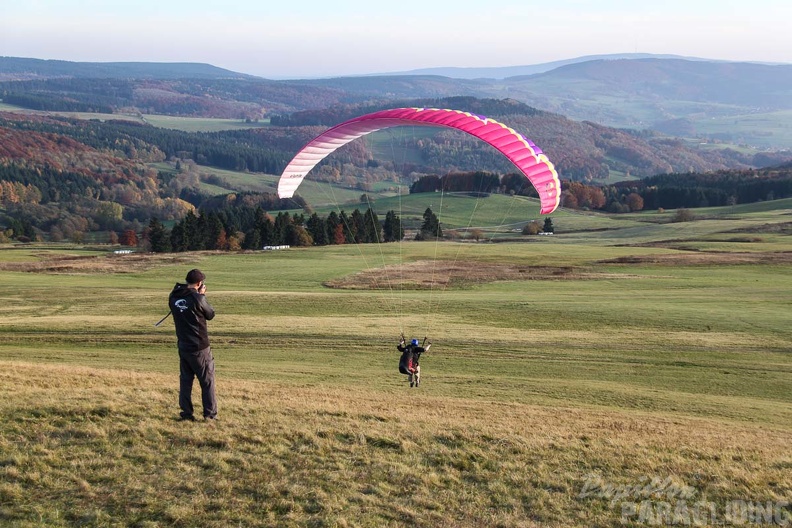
[(199, 365)]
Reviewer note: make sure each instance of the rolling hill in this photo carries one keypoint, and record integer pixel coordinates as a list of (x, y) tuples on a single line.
[(647, 93), (19, 69), (680, 97), (733, 102), (504, 72)]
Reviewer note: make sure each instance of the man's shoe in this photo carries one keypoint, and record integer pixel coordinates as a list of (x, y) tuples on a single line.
[(187, 418)]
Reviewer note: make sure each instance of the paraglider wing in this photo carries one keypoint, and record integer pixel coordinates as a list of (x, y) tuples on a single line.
[(525, 155)]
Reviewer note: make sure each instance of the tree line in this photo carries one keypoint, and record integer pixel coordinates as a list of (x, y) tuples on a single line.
[(333, 115), (475, 182), (715, 189), (667, 191), (686, 190), (253, 228), (53, 103), (233, 150)]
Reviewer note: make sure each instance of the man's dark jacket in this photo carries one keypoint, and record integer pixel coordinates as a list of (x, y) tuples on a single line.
[(190, 312)]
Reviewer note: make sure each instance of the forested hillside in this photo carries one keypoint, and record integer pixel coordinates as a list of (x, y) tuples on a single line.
[(719, 188), (65, 177), (56, 185), (581, 151), (220, 98)]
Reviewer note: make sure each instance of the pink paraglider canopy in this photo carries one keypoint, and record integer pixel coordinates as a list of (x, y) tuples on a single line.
[(525, 155)]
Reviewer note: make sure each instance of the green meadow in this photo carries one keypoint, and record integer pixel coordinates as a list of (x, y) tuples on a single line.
[(200, 124), (578, 379), (759, 129), (185, 124)]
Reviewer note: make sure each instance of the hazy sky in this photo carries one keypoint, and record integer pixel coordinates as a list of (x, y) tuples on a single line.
[(308, 38)]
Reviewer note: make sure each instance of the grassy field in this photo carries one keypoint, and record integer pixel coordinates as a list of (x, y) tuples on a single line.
[(200, 124), (186, 124), (767, 129), (455, 210), (77, 115), (633, 365), (323, 195)]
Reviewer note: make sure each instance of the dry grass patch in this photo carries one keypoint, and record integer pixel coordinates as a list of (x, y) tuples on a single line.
[(108, 263), (101, 447), (703, 258), (428, 274), (778, 227)]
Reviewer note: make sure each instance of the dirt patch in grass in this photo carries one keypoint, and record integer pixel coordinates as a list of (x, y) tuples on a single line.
[(680, 244), (111, 263), (427, 274), (778, 227), (705, 258)]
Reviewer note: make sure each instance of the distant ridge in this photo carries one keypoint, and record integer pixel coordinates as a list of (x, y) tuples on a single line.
[(17, 68), (742, 103), (504, 72)]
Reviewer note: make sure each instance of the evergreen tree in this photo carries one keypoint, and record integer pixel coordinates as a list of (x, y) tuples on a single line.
[(346, 224), (213, 230), (252, 239), (281, 229), (201, 238), (373, 228), (267, 233), (430, 229), (178, 239), (158, 237), (28, 230), (261, 231), (333, 224), (357, 223), (189, 232), (392, 228), (16, 227), (317, 227)]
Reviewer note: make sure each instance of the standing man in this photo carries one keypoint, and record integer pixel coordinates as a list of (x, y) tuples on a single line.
[(190, 312)]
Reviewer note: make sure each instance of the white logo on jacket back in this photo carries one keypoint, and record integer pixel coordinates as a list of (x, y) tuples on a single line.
[(182, 305)]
